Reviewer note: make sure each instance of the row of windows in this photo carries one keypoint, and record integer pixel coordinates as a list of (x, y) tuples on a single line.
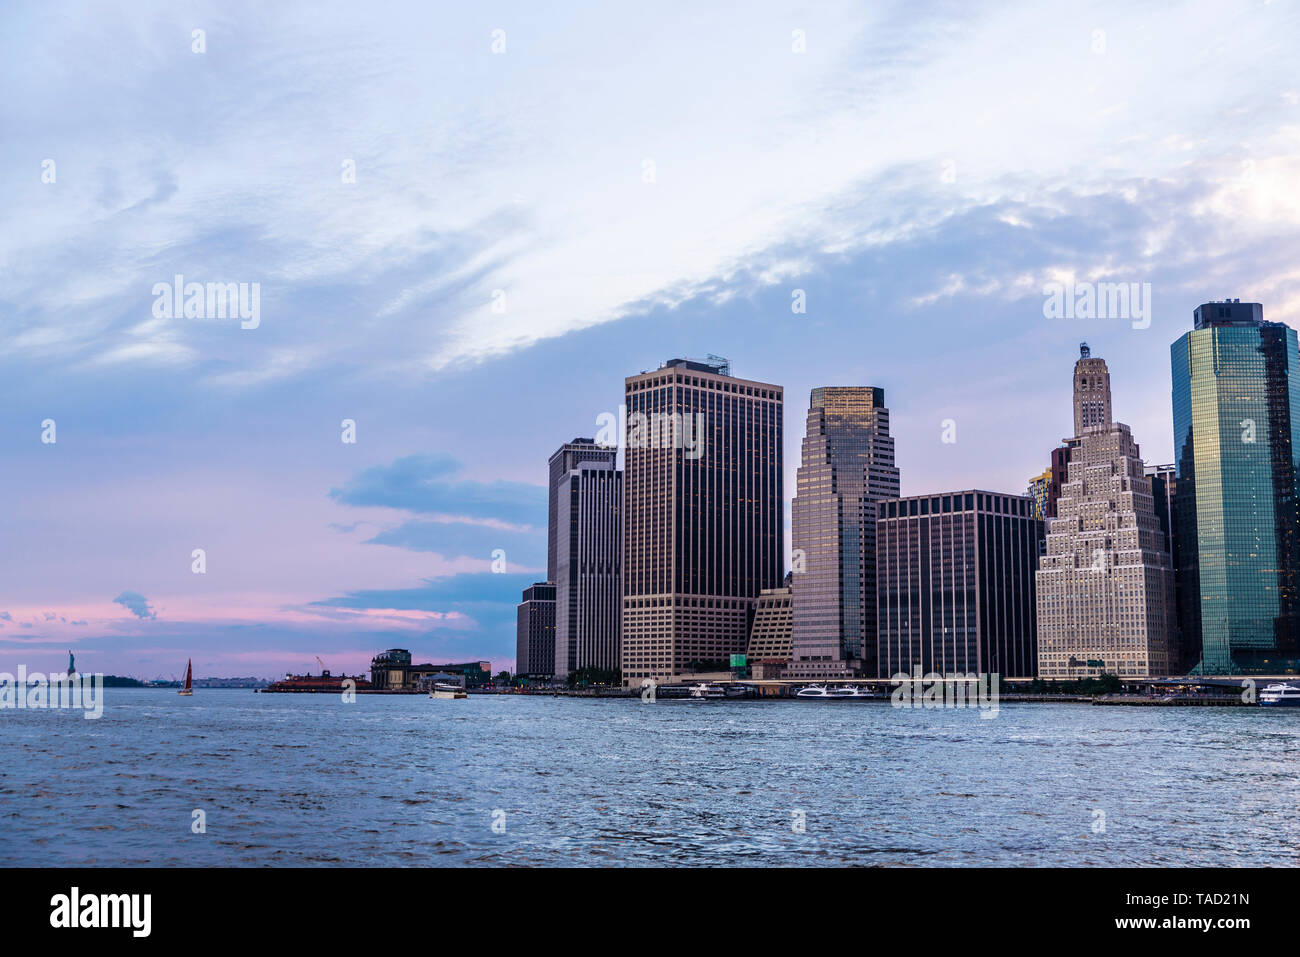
[(944, 504), (659, 381)]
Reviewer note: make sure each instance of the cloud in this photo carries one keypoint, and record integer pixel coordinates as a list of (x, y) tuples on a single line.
[(136, 603), (420, 483), (526, 548), (517, 191), (454, 591)]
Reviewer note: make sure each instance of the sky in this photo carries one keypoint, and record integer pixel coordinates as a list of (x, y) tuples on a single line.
[(467, 223)]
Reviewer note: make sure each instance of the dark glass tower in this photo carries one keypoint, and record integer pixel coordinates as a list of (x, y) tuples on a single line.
[(847, 467), (955, 580), (1236, 397), (535, 631)]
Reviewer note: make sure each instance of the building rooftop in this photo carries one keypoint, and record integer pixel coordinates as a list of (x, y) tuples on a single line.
[(713, 364), (1228, 312)]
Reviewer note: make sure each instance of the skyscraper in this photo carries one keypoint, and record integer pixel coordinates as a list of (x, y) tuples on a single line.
[(561, 463), (1105, 585), (1164, 486), (703, 518), (955, 584), (1236, 400), (535, 631), (847, 466), (588, 566)]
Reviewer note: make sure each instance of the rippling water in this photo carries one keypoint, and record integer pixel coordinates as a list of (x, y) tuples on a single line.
[(306, 779)]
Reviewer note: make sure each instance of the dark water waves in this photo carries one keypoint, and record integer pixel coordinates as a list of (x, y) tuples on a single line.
[(305, 779)]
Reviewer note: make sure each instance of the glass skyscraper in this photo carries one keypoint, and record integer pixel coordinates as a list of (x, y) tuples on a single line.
[(955, 584), (847, 467), (1236, 397)]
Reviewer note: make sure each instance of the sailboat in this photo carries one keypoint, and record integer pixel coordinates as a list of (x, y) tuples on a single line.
[(189, 678)]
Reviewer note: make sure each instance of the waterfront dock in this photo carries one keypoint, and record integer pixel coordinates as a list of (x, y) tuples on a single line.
[(1172, 701)]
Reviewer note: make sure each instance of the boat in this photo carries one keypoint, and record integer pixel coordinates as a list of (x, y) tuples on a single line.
[(1280, 695), (189, 679), (845, 693), (443, 690), (323, 683), (706, 690)]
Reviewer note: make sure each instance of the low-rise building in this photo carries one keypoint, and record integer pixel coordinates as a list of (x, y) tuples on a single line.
[(393, 670)]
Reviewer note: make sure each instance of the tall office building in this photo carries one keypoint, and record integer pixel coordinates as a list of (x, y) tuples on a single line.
[(588, 566), (563, 461), (1164, 483), (1164, 486), (847, 466), (1236, 399), (955, 584), (704, 516), (1105, 585), (535, 631)]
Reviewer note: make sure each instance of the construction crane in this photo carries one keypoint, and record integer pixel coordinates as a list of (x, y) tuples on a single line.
[(322, 666)]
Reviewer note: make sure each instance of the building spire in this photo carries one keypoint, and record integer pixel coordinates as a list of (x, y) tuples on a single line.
[(1092, 406)]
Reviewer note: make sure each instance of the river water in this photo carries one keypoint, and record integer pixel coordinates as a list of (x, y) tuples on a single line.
[(492, 780)]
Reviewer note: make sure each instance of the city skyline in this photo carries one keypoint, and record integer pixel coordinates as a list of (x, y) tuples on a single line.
[(919, 259)]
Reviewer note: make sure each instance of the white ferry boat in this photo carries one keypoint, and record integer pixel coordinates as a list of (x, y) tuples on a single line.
[(1280, 695), (441, 690), (844, 693), (706, 690)]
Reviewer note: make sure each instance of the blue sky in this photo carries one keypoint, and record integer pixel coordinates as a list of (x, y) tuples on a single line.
[(527, 227)]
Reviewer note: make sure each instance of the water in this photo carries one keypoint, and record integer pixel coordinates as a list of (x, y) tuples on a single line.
[(306, 779)]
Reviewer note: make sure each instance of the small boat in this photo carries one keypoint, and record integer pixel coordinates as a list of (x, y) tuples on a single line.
[(441, 690), (706, 690), (189, 679), (1280, 695)]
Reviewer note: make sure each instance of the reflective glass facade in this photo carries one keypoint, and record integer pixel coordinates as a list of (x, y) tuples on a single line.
[(955, 584), (1236, 404), (847, 466)]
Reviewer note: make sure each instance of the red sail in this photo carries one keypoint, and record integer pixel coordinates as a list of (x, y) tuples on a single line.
[(189, 675)]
